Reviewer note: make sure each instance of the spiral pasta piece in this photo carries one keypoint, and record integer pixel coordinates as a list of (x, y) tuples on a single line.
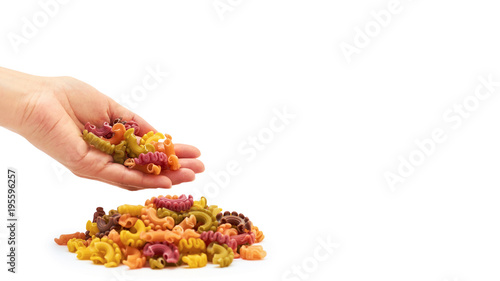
[(98, 143), (191, 246), (180, 204), (157, 158), (254, 252), (220, 238), (194, 261)]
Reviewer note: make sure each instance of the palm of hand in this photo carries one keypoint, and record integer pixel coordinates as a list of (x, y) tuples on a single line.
[(55, 117)]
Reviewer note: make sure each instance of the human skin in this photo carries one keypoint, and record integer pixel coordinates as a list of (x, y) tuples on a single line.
[(51, 112)]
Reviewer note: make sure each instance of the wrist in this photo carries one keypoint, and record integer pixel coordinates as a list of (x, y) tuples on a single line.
[(17, 91)]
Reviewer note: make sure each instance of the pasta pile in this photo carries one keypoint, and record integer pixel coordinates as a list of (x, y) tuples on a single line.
[(147, 154), (166, 231)]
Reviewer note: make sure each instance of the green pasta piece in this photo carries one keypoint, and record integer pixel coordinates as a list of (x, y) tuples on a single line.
[(120, 152), (134, 149), (177, 216), (206, 217), (98, 143)]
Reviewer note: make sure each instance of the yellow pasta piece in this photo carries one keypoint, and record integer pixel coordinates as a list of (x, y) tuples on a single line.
[(150, 137), (74, 244), (191, 246), (214, 209), (157, 263), (92, 228), (107, 253), (84, 253), (132, 237), (133, 210), (134, 149), (195, 260), (98, 143), (202, 203), (220, 254)]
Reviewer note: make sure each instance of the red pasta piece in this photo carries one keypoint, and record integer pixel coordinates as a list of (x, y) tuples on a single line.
[(157, 158), (244, 238), (100, 132), (180, 204), (167, 250), (210, 236)]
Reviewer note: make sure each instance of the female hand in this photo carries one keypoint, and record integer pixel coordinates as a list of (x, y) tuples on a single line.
[(51, 112)]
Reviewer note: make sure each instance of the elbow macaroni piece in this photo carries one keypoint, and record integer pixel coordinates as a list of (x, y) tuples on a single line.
[(148, 215), (100, 132), (133, 210), (134, 149), (64, 238), (74, 244), (118, 132), (167, 250), (132, 237), (107, 253), (220, 254), (206, 217)]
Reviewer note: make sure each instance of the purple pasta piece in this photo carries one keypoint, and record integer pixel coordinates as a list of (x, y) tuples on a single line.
[(242, 223), (100, 132), (167, 250), (210, 236), (180, 204), (105, 227), (157, 158), (99, 212)]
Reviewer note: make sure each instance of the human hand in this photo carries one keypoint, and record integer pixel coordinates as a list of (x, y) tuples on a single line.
[(51, 112)]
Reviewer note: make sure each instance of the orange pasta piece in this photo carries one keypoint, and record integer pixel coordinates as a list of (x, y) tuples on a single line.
[(226, 229), (64, 238), (151, 219), (127, 221), (259, 235), (148, 169), (154, 236), (254, 252), (115, 237), (167, 147), (135, 258), (188, 223), (119, 131)]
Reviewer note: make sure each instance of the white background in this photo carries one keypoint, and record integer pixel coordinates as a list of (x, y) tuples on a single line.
[(322, 175)]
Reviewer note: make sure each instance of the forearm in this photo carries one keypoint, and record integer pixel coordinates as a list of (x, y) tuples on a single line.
[(16, 88)]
